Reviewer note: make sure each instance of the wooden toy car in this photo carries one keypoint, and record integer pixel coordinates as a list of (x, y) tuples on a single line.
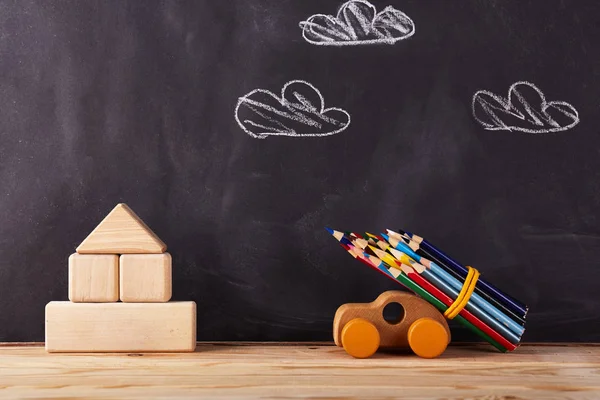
[(361, 329)]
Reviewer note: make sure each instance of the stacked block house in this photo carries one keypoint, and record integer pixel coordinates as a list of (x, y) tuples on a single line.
[(120, 288)]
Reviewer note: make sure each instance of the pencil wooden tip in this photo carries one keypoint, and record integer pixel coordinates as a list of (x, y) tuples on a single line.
[(396, 235), (336, 234)]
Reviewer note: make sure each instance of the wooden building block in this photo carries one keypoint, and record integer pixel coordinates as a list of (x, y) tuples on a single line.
[(121, 232), (93, 278), (145, 278), (120, 327)]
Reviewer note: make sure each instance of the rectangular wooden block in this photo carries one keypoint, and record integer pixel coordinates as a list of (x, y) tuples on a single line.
[(93, 278), (145, 278), (120, 327)]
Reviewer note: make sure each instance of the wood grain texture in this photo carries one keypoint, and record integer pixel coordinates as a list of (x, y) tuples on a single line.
[(392, 335), (93, 278), (122, 232), (145, 277), (120, 327), (251, 371)]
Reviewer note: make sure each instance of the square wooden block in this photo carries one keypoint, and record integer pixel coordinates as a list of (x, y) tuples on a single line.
[(145, 278), (93, 278)]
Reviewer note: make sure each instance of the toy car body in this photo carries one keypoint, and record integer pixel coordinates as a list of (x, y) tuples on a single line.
[(361, 329)]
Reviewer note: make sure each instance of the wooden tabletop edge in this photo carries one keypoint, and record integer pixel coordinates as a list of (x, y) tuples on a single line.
[(325, 343)]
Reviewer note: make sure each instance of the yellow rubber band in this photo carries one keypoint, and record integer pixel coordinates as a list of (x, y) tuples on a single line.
[(450, 313), (465, 294)]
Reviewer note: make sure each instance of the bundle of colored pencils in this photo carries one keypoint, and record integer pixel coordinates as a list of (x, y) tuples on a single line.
[(454, 289)]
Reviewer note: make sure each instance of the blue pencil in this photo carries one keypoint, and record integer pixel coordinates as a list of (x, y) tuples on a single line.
[(509, 302), (456, 284)]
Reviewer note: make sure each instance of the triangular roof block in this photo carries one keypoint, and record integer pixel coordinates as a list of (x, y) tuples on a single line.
[(122, 232)]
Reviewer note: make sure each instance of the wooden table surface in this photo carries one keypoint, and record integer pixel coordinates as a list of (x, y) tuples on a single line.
[(272, 371)]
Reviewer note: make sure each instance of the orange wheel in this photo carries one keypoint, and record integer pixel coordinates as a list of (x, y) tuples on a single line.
[(427, 338), (360, 338)]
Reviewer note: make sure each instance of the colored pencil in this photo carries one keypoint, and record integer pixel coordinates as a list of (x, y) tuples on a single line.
[(377, 264), (440, 295), (450, 292), (416, 247), (417, 289), (456, 284), (518, 307)]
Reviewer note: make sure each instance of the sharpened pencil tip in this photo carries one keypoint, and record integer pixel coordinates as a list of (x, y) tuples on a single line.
[(329, 230), (386, 237)]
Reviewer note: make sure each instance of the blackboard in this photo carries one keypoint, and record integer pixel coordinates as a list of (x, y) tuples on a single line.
[(104, 102)]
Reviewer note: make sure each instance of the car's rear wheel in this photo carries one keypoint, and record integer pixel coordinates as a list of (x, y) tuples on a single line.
[(427, 338), (360, 338)]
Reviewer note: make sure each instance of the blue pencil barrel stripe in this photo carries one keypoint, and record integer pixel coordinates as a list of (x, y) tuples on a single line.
[(512, 325)]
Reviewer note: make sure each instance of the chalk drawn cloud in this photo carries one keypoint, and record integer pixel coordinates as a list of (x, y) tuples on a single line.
[(525, 110), (299, 111), (358, 22)]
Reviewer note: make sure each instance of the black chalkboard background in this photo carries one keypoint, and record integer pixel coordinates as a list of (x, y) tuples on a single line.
[(104, 102)]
